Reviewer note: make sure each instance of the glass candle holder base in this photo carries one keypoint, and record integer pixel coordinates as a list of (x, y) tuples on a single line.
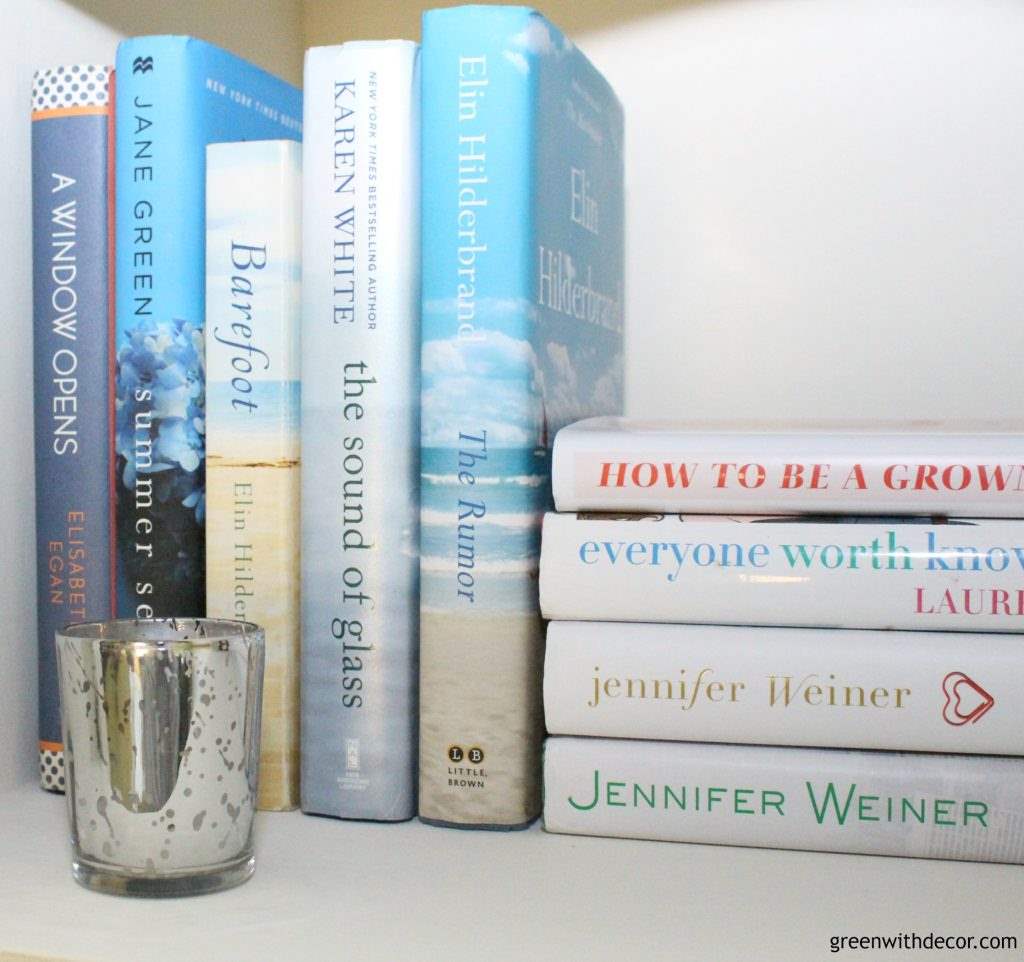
[(161, 725), (114, 881)]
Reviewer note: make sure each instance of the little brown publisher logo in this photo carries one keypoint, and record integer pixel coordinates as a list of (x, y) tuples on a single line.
[(470, 776)]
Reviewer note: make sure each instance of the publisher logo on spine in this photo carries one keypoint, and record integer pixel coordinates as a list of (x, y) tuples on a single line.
[(470, 775), (966, 700)]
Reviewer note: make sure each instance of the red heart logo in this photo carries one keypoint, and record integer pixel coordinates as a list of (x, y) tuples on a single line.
[(966, 700)]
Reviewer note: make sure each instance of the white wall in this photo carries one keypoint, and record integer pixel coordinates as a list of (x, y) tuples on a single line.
[(825, 207)]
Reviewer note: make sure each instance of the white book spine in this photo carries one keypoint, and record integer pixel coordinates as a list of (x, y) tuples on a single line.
[(615, 464), (959, 576), (360, 397), (829, 800), (913, 691)]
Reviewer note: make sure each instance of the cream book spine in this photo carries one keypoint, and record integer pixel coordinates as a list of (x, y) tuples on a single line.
[(902, 690), (253, 265)]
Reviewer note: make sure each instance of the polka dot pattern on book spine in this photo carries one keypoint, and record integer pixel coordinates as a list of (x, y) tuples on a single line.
[(51, 769), (79, 85)]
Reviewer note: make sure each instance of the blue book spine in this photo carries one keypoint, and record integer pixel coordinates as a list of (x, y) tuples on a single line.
[(71, 235), (522, 334), (175, 96)]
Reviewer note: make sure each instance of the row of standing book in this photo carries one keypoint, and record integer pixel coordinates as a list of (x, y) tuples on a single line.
[(254, 360), (843, 672), (372, 491)]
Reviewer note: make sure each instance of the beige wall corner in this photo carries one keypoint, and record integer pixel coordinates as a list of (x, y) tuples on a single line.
[(335, 21), (267, 32)]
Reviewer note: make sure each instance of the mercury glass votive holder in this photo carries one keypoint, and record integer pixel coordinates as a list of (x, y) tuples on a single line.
[(161, 726)]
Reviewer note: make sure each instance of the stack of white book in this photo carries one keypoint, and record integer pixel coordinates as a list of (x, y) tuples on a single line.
[(799, 637)]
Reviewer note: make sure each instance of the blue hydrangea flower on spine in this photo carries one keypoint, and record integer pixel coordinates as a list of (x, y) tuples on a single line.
[(161, 399)]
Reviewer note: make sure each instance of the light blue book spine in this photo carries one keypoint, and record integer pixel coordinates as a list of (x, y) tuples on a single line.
[(360, 423), (175, 95), (522, 334)]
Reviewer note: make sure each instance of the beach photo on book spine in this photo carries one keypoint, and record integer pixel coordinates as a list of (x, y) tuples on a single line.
[(253, 280), (522, 334)]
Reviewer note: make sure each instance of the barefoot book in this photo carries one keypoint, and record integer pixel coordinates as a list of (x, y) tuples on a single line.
[(522, 334), (253, 260)]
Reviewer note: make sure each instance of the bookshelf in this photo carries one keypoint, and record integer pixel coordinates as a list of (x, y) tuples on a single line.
[(330, 890), (824, 218)]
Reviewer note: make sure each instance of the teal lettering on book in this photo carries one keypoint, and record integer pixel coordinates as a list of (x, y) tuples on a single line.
[(830, 804), (693, 798), (840, 806), (884, 553)]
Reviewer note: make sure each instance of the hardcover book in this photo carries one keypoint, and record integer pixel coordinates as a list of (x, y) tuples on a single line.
[(253, 271), (72, 238), (175, 95), (911, 691), (360, 403), (960, 468), (827, 800), (522, 327), (918, 574)]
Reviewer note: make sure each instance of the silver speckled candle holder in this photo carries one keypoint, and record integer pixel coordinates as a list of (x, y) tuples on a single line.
[(161, 724)]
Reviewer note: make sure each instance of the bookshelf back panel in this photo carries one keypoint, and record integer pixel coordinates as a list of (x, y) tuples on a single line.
[(824, 213)]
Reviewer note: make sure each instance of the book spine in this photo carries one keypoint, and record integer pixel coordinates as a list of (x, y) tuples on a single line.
[(829, 800), (957, 576), (910, 691), (253, 261), (360, 297), (484, 469), (71, 227), (614, 469), (159, 378), (178, 94), (522, 322)]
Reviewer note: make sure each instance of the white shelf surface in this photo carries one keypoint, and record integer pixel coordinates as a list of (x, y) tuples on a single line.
[(326, 890)]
